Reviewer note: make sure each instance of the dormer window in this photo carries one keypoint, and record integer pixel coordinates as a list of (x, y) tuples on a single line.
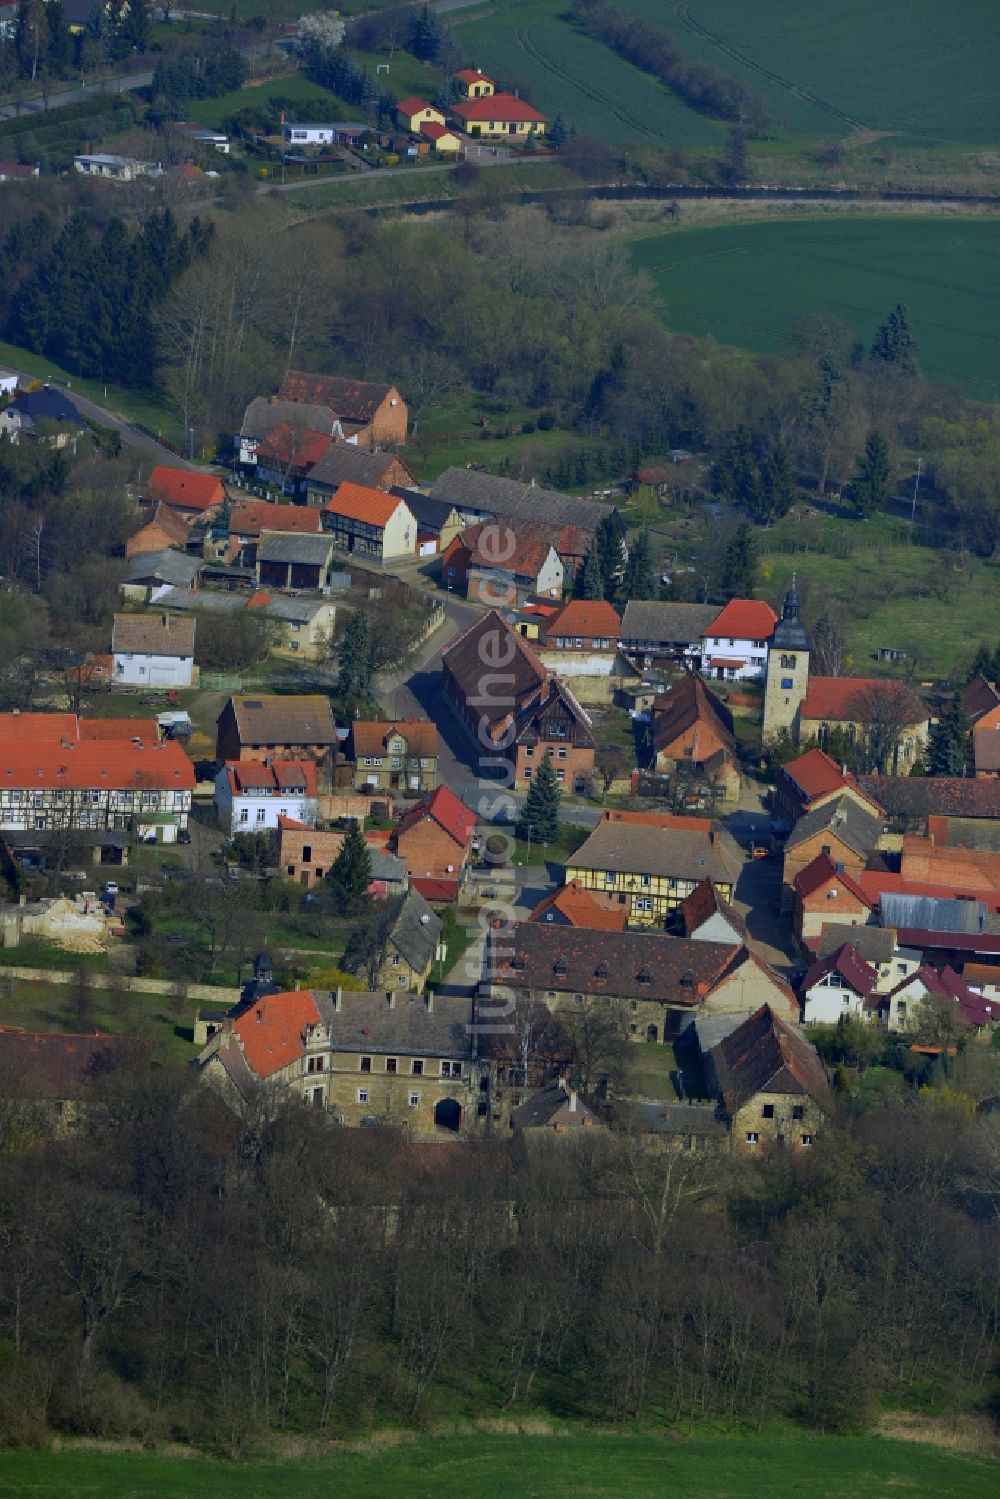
[(559, 969), (601, 971), (644, 976)]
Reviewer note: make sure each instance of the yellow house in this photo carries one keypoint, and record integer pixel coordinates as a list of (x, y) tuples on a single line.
[(444, 141), (648, 863), (499, 117), (474, 83), (413, 113)]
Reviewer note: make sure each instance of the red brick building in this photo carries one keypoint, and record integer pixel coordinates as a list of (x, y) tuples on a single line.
[(435, 839), (826, 894), (374, 415), (513, 708)]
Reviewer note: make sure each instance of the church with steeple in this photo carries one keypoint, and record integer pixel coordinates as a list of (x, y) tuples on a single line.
[(886, 714), (786, 681)]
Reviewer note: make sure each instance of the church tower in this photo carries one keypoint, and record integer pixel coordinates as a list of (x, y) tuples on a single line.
[(787, 679)]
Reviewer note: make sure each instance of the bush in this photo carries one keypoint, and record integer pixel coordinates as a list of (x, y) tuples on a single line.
[(546, 421)]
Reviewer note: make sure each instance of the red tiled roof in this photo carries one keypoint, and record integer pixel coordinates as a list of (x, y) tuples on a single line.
[(351, 400), (146, 729), (296, 777), (433, 130), (815, 773), (369, 737), (670, 821), (843, 699), (963, 868), (500, 107), (412, 105), (743, 619), (820, 872), (358, 502), (586, 618), (436, 889), (532, 545), (879, 882), (92, 764), (296, 445), (464, 75), (580, 909), (447, 811), (850, 965), (251, 517), (293, 825), (185, 488), (273, 1030)]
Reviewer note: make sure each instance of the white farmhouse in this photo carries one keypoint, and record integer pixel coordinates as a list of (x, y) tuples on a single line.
[(250, 795), (153, 650), (735, 643)]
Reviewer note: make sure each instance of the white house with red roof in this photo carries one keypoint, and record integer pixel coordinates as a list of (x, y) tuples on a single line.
[(735, 644), (840, 984), (252, 795)]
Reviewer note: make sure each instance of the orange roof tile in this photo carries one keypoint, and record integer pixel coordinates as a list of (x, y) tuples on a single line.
[(667, 820), (580, 909), (586, 618), (369, 737), (743, 619), (251, 517), (472, 75), (273, 1030), (820, 872), (185, 488), (447, 811), (358, 502), (499, 107), (843, 699), (91, 764), (412, 105), (295, 445)]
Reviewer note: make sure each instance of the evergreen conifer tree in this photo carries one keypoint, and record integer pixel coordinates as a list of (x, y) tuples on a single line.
[(946, 751), (610, 555), (871, 486), (592, 578), (354, 657), (351, 872), (540, 813), (739, 564), (982, 664), (639, 580), (893, 343)]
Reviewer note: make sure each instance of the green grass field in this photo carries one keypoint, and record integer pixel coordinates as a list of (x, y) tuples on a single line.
[(528, 43), (517, 1467), (133, 405), (921, 71), (295, 86), (914, 67), (748, 284)]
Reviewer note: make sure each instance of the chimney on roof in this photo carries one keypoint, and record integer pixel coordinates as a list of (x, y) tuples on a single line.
[(572, 1100), (430, 1001), (338, 1000)]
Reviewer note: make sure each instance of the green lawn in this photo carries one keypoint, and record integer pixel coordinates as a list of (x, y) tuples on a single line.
[(132, 405), (517, 1467), (567, 841), (417, 185), (31, 1006), (531, 44), (294, 86), (748, 284), (891, 595), (915, 67)]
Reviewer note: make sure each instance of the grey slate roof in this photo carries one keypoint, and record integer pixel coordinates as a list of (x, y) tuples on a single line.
[(666, 622), (343, 464), (859, 829), (687, 1118), (289, 546), (632, 848), (416, 931), (165, 566), (468, 489), (263, 414), (386, 866), (543, 1107), (876, 944), (299, 611), (399, 1024), (427, 511), (221, 601)]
